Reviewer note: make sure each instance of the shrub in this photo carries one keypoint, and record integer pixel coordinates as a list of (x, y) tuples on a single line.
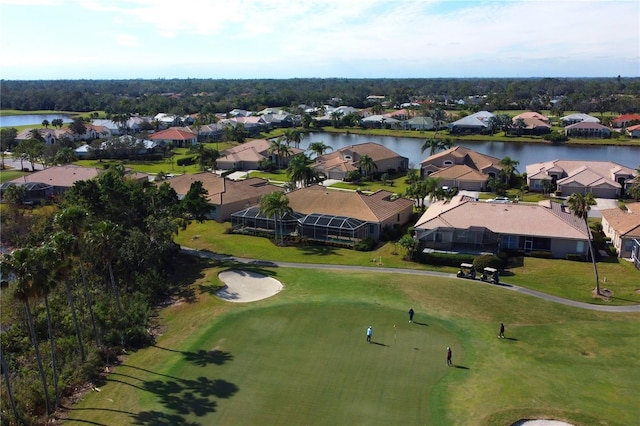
[(444, 259), (576, 257), (368, 244), (542, 254), (186, 161), (487, 261)]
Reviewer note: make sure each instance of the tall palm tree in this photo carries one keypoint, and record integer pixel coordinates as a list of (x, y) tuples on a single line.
[(280, 149), (300, 170), (438, 116), (276, 204), (103, 239), (7, 382), (580, 205), (434, 145), (44, 282), (62, 242), (319, 148), (508, 167), (294, 136), (22, 264), (73, 219), (367, 165)]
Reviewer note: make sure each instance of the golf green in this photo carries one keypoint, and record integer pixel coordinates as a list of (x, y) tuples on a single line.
[(310, 364)]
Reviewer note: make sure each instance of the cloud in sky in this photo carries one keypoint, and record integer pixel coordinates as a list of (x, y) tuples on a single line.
[(320, 38)]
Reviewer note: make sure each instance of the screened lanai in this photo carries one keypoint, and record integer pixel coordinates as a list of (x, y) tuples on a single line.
[(332, 229), (252, 221)]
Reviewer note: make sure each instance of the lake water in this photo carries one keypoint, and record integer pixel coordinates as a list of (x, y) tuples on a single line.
[(29, 119), (525, 153)]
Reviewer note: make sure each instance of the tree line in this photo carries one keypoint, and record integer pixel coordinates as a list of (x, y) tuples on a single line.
[(185, 96), (81, 287)]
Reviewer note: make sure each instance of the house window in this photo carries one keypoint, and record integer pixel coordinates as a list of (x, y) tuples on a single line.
[(510, 241), (580, 247), (447, 163), (398, 217)]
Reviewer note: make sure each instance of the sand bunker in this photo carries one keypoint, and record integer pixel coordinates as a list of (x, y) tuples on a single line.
[(244, 286)]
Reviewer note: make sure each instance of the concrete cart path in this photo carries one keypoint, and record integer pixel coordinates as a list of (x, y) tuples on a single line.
[(373, 269)]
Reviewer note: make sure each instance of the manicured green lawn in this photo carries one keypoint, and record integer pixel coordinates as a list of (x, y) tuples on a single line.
[(300, 357), (10, 174)]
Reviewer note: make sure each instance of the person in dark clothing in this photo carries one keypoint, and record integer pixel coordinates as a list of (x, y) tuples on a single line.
[(449, 357), (411, 315), (501, 335)]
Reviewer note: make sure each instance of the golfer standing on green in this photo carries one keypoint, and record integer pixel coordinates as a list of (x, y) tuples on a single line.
[(369, 334)]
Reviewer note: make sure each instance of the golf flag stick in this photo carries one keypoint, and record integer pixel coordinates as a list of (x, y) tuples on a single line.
[(395, 333)]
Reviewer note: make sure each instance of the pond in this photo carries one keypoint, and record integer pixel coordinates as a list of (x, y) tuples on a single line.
[(31, 119), (525, 153)]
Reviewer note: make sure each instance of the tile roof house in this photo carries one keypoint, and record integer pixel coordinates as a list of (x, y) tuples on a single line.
[(420, 123), (479, 122), (532, 114), (468, 226), (578, 118), (623, 227), (587, 129), (337, 164), (380, 121), (178, 137), (332, 216), (634, 131), (248, 155), (461, 168), (604, 179), (625, 119), (532, 126), (225, 195)]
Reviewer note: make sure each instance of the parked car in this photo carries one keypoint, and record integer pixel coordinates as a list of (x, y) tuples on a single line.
[(499, 200)]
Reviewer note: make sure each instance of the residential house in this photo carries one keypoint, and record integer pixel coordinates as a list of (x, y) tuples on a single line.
[(532, 115), (623, 227), (380, 122), (480, 122), (48, 135), (331, 216), (224, 195), (586, 129), (578, 118), (249, 155), (420, 123), (401, 114), (52, 181), (531, 125), (604, 179), (337, 164), (625, 119), (177, 137), (468, 226), (279, 120), (213, 132), (634, 131), (635, 253), (461, 168), (111, 126)]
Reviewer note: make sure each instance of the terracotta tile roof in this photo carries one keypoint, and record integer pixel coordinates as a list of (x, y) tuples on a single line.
[(221, 190), (532, 123), (173, 134), (531, 114), (460, 172), (626, 117), (59, 176), (376, 207), (581, 171), (517, 219), (625, 223), (462, 155)]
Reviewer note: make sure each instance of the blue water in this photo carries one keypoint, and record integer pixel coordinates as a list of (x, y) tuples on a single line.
[(525, 153), (30, 119)]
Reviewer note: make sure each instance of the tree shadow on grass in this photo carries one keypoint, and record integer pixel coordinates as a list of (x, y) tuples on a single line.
[(202, 358), (156, 418), (317, 250)]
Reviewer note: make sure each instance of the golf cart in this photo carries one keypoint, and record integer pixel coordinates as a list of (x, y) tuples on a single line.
[(491, 275), (467, 271)]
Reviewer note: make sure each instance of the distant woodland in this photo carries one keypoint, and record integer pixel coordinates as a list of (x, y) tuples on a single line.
[(185, 96)]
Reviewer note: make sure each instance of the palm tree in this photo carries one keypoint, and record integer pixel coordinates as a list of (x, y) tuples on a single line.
[(73, 219), (280, 149), (434, 145), (367, 165), (438, 116), (580, 205), (7, 381), (102, 239), (318, 148), (63, 242), (276, 204), (294, 136), (21, 263), (300, 170), (508, 167)]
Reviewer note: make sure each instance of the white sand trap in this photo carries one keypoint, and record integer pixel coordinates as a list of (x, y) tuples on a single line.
[(541, 423), (245, 286)]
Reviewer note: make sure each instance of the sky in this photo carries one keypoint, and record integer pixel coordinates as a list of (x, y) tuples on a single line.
[(241, 39)]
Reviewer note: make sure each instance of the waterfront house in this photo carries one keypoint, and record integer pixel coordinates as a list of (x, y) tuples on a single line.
[(337, 164), (587, 129), (461, 168), (623, 227), (465, 225)]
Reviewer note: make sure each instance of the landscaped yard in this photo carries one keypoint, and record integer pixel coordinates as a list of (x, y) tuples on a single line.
[(300, 357)]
